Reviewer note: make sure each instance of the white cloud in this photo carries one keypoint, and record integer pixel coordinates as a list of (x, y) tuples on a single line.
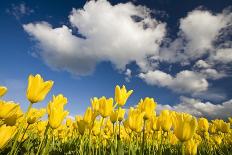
[(110, 34), (185, 81), (198, 32), (201, 109), (223, 55), (128, 75), (19, 10)]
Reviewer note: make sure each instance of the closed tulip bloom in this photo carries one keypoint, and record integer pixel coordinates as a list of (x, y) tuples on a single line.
[(212, 128), (6, 134), (135, 120), (105, 106), (217, 139), (96, 128), (3, 91), (121, 95), (7, 109), (185, 126), (88, 116), (37, 88), (69, 122), (203, 124), (81, 126), (121, 113), (14, 118), (95, 106), (154, 125), (165, 120), (147, 106), (225, 127), (114, 116), (55, 109), (35, 114), (191, 147)]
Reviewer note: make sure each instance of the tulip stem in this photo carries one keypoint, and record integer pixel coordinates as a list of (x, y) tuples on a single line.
[(42, 140), (182, 148), (21, 138), (14, 148), (143, 136)]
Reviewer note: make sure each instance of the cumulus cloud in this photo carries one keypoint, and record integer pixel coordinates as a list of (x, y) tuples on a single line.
[(119, 33), (201, 109), (185, 81), (196, 38)]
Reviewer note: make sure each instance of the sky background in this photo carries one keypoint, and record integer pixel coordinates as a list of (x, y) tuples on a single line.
[(178, 52)]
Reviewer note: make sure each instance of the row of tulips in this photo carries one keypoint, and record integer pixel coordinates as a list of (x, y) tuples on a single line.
[(104, 128)]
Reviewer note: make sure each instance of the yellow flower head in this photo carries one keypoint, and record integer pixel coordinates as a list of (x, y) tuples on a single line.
[(114, 116), (88, 116), (105, 106), (185, 126), (95, 106), (135, 120), (96, 128), (3, 91), (165, 120), (69, 122), (37, 88), (121, 95), (191, 147), (203, 124), (6, 134), (35, 114), (55, 109), (81, 126), (7, 109), (147, 106), (121, 113)]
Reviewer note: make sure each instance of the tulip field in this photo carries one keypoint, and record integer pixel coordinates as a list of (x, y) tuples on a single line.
[(106, 127)]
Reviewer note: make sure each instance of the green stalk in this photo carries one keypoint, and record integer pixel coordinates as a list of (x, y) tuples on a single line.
[(143, 136), (14, 148), (182, 148), (42, 140), (21, 139)]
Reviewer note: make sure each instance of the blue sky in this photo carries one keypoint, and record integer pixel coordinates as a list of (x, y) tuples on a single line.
[(179, 52)]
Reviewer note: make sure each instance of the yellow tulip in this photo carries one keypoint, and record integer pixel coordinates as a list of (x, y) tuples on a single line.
[(165, 120), (95, 106), (135, 120), (121, 113), (191, 147), (185, 126), (225, 127), (14, 118), (37, 88), (230, 120), (81, 126), (217, 139), (212, 128), (114, 116), (69, 122), (88, 116), (35, 114), (3, 91), (147, 106), (121, 95), (105, 106), (203, 124), (154, 125), (6, 134), (96, 128), (7, 109), (55, 109)]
